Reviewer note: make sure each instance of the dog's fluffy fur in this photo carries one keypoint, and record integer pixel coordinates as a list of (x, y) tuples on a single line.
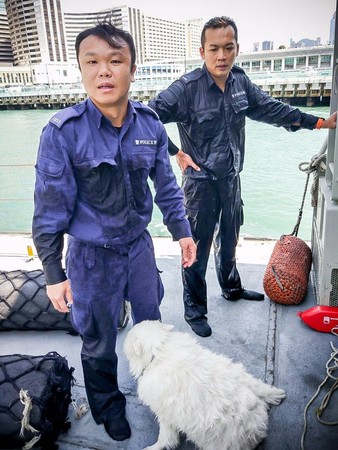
[(214, 401)]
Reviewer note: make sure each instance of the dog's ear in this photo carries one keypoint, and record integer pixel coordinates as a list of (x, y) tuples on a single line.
[(138, 347)]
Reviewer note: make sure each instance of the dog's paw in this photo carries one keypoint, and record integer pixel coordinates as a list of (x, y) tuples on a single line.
[(275, 396)]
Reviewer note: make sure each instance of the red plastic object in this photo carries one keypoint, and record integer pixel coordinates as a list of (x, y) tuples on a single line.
[(321, 318)]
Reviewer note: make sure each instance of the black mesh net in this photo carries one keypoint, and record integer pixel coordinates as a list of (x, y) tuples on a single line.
[(35, 393)]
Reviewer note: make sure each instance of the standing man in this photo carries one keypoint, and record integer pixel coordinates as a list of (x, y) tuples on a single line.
[(92, 171), (210, 106)]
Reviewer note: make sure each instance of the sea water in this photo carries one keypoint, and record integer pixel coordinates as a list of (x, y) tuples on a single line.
[(272, 184)]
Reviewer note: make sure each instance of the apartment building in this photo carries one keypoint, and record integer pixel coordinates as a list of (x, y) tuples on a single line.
[(6, 54), (124, 17), (40, 36), (37, 31)]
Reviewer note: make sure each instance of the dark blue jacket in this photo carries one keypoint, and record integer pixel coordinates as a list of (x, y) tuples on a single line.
[(92, 182), (212, 123)]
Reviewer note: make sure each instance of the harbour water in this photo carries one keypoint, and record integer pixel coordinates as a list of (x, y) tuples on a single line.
[(272, 184)]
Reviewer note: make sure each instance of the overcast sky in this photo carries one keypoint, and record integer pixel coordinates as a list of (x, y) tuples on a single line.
[(257, 20)]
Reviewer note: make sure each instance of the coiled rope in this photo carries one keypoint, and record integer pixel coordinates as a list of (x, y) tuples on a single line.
[(331, 367)]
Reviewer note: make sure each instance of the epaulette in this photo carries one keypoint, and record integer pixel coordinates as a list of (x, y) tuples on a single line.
[(191, 76), (146, 108), (61, 117)]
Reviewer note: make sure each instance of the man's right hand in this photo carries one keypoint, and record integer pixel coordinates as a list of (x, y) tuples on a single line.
[(60, 295), (184, 161)]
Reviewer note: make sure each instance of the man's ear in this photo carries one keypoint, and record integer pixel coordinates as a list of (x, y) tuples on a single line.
[(133, 70), (202, 53)]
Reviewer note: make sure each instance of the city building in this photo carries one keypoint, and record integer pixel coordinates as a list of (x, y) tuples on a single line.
[(37, 31), (6, 54), (193, 37), (124, 17), (42, 38), (267, 45), (163, 39), (38, 40)]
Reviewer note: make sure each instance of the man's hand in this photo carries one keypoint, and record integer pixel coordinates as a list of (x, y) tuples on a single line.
[(330, 122), (184, 161), (188, 247), (60, 295)]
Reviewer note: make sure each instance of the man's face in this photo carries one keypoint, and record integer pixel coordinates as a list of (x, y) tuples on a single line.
[(106, 72), (219, 52)]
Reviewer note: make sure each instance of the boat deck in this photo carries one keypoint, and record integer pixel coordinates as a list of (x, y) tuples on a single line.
[(269, 339)]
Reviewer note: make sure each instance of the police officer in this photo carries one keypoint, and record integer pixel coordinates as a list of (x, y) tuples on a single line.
[(210, 106), (92, 171)]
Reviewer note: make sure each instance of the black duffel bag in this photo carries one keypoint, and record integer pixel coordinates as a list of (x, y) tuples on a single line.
[(35, 393)]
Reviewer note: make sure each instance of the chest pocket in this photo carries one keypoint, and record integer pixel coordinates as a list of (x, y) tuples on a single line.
[(142, 163), (99, 181), (208, 123), (240, 105)]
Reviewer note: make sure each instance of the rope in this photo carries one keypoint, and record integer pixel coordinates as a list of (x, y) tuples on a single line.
[(81, 407), (331, 367), (316, 165), (27, 402)]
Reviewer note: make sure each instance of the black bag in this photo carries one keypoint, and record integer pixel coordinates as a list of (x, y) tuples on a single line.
[(35, 393)]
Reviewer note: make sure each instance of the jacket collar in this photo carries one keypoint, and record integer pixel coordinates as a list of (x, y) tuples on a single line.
[(98, 116), (211, 81)]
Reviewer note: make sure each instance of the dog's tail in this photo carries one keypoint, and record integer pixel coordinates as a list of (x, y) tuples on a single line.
[(272, 395)]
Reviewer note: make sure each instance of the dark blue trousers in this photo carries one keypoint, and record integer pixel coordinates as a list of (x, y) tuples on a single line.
[(101, 278), (215, 212)]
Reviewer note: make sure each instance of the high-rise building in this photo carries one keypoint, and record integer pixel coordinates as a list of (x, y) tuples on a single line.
[(163, 39), (193, 37), (6, 54), (124, 17), (37, 31), (155, 39), (267, 45), (255, 46)]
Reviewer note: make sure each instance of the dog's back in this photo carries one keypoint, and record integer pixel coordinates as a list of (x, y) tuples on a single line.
[(211, 399)]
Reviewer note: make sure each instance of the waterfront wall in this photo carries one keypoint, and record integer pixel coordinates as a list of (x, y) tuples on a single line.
[(300, 89)]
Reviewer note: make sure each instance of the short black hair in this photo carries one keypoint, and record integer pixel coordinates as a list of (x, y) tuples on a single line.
[(218, 22), (112, 35)]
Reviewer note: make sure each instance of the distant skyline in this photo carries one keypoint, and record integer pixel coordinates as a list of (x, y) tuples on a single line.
[(257, 20)]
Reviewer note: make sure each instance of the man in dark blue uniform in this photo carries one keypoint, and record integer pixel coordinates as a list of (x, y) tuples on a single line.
[(210, 106), (92, 171)]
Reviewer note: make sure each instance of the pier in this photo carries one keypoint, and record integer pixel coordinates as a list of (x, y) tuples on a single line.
[(296, 87)]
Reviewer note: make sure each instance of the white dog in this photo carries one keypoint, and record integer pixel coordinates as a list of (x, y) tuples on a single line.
[(214, 401)]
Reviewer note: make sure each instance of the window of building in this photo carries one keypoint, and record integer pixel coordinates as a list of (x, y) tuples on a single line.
[(325, 61), (277, 65), (267, 64), (300, 62), (313, 61), (256, 66), (289, 63)]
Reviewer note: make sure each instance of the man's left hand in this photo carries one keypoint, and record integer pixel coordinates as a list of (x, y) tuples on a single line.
[(330, 122), (188, 247)]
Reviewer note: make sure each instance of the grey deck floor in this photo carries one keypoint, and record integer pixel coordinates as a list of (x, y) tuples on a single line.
[(269, 339)]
